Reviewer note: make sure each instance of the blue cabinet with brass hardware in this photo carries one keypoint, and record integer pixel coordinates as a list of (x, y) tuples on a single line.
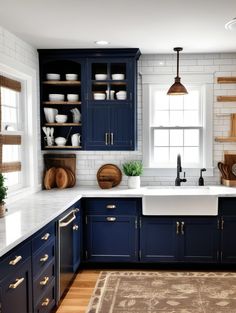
[(227, 228), (16, 281), (111, 229), (179, 239)]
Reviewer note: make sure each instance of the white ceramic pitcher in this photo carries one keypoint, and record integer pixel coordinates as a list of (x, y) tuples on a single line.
[(75, 139)]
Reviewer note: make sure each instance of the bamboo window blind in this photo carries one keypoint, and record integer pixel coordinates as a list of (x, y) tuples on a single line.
[(5, 139)]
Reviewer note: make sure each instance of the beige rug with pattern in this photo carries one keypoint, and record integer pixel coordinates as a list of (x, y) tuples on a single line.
[(164, 292)]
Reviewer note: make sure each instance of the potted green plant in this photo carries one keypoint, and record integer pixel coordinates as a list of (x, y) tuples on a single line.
[(133, 169), (3, 195)]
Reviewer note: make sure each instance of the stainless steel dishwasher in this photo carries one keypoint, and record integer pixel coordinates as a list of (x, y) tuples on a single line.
[(66, 227)]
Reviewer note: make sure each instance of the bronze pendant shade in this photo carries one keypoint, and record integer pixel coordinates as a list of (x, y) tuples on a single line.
[(177, 88)]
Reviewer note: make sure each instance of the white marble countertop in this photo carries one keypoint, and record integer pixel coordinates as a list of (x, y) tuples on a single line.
[(27, 215)]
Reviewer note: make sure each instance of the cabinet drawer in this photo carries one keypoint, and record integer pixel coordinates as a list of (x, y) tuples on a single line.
[(47, 302), (43, 257), (110, 206), (14, 260), (43, 237), (41, 283)]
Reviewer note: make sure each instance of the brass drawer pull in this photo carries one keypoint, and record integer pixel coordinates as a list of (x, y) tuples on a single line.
[(44, 281), (182, 228), (45, 237), (111, 206), (75, 227), (44, 258), (16, 260), (111, 219), (77, 210), (18, 282), (112, 138), (177, 228), (46, 302)]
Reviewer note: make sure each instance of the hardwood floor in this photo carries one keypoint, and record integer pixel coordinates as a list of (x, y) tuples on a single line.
[(77, 298)]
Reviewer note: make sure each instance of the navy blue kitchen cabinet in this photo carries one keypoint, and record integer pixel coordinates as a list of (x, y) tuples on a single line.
[(158, 240), (178, 239), (111, 229), (77, 242), (227, 228), (16, 281), (108, 124), (117, 126)]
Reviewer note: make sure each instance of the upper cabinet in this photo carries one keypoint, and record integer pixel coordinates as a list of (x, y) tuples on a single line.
[(88, 99)]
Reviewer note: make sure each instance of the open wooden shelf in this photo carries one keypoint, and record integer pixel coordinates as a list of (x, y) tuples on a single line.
[(226, 98), (63, 147), (63, 82), (226, 80), (61, 102), (111, 82), (225, 139), (63, 124)]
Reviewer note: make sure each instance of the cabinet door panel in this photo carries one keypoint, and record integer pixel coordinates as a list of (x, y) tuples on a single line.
[(97, 126), (76, 242), (122, 126), (17, 298), (198, 239), (228, 235), (158, 240), (112, 238)]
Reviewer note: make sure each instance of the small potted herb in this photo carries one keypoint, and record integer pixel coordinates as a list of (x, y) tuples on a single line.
[(133, 169), (3, 195)]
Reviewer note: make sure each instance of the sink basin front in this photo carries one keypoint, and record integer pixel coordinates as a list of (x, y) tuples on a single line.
[(180, 202)]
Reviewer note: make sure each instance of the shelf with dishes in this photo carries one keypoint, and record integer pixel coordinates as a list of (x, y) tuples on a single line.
[(63, 147), (62, 83), (61, 102), (109, 82)]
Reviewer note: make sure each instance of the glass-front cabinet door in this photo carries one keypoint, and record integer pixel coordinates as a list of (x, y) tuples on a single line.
[(110, 88)]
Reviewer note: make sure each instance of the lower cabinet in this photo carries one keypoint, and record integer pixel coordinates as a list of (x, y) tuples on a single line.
[(178, 239), (227, 227), (16, 290), (112, 238), (112, 229)]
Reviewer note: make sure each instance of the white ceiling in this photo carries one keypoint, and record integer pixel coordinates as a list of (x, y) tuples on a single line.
[(154, 26)]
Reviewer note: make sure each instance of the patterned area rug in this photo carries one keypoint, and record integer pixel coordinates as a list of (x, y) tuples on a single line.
[(164, 292)]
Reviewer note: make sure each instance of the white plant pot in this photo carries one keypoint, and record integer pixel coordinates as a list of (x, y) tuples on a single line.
[(134, 182)]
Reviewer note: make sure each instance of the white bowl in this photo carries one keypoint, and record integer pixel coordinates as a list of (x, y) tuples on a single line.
[(121, 97), (100, 76), (61, 118), (72, 97), (60, 141), (71, 77), (52, 76), (99, 96), (50, 114), (122, 92), (56, 97), (118, 76)]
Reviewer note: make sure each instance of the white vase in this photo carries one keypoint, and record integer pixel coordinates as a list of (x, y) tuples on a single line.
[(133, 182)]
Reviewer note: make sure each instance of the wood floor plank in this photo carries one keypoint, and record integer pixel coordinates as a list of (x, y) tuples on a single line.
[(77, 298)]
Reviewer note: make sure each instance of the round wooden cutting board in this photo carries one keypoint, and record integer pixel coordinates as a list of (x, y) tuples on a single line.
[(49, 178), (109, 173), (62, 178), (71, 178)]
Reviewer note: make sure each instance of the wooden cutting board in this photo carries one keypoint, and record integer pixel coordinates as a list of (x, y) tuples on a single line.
[(62, 178), (233, 125), (109, 173), (230, 160), (71, 178), (49, 178)]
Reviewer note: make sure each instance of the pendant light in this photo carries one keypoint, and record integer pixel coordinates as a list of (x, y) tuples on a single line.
[(177, 88)]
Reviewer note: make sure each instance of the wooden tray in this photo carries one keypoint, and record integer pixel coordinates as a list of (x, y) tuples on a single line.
[(109, 173)]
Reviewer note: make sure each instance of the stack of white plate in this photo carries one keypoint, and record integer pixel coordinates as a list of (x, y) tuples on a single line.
[(56, 97), (71, 77), (52, 76), (100, 76), (72, 97), (118, 76), (121, 95), (99, 96)]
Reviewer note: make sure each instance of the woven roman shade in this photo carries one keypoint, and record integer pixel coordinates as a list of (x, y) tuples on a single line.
[(6, 139)]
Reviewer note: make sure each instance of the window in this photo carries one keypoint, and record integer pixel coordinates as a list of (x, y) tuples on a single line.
[(175, 125), (11, 123)]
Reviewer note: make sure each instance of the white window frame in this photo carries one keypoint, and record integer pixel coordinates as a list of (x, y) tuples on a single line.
[(30, 167), (205, 83)]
